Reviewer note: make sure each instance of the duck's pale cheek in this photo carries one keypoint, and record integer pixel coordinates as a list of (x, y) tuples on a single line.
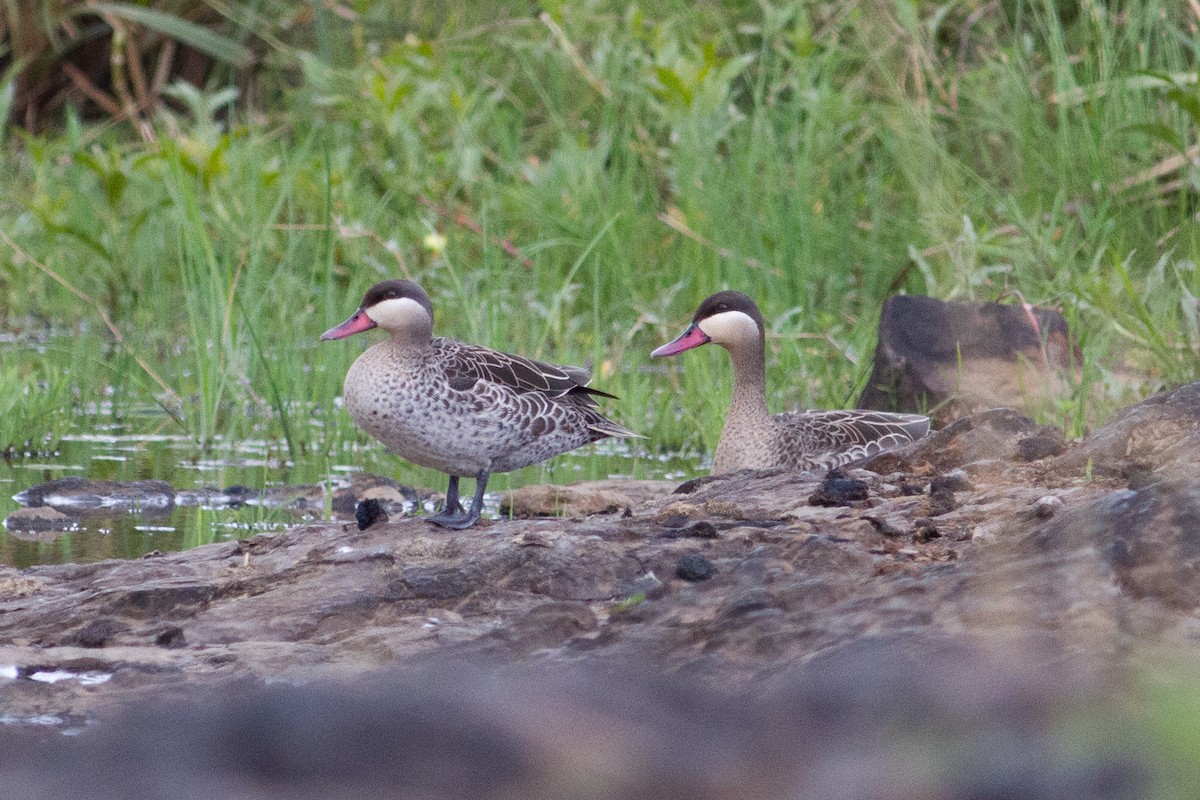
[(730, 327), (398, 312)]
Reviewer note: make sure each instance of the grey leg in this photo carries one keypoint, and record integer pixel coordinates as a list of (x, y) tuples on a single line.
[(460, 520)]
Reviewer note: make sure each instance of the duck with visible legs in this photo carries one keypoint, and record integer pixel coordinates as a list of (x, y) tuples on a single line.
[(459, 408), (754, 439)]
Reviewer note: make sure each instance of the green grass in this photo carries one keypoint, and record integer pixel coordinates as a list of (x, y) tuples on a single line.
[(570, 186)]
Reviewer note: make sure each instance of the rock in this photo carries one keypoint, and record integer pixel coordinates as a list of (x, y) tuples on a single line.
[(396, 498), (369, 512), (694, 567), (959, 358), (78, 494), (989, 436), (1159, 435), (580, 500), (838, 490), (39, 523), (955, 480)]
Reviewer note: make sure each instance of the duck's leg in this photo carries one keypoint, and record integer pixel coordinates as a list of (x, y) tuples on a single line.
[(462, 520), (452, 506)]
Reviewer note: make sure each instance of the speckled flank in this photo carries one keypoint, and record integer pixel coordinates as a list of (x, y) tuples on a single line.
[(752, 438), (419, 402)]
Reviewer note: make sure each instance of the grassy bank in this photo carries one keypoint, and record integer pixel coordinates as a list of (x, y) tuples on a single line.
[(570, 184)]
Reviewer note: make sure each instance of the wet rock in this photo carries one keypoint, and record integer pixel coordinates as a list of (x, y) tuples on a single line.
[(838, 490), (43, 522), (78, 494), (693, 567), (960, 358)]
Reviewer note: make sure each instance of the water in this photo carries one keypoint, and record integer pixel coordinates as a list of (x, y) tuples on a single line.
[(203, 512)]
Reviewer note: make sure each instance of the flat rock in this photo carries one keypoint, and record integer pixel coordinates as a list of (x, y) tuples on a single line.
[(39, 523), (581, 499)]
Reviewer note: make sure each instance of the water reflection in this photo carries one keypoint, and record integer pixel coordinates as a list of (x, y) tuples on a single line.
[(233, 490)]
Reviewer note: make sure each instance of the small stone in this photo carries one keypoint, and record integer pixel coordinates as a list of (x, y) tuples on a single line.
[(941, 501), (1046, 507), (886, 526), (838, 490), (96, 633), (644, 583), (955, 480), (170, 638), (924, 530), (368, 512), (694, 567), (1047, 442)]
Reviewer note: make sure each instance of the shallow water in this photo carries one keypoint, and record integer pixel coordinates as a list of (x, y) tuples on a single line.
[(121, 453)]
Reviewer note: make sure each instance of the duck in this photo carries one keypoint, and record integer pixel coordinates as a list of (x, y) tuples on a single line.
[(754, 439), (459, 408)]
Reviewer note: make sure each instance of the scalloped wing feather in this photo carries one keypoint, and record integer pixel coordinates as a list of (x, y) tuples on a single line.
[(825, 439)]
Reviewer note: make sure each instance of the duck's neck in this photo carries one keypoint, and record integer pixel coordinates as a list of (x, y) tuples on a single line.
[(749, 385), (414, 338), (747, 435)]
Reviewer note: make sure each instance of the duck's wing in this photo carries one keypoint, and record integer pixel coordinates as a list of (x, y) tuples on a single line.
[(466, 363), (834, 438)]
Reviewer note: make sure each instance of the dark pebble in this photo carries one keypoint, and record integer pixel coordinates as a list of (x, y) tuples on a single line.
[(838, 490), (368, 512), (941, 501), (924, 530), (170, 638), (687, 487), (694, 567), (953, 481), (97, 632), (1047, 442)]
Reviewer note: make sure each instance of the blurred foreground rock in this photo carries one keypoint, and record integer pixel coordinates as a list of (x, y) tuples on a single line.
[(951, 359), (933, 636)]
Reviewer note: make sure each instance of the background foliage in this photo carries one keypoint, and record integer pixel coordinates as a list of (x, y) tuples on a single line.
[(195, 190)]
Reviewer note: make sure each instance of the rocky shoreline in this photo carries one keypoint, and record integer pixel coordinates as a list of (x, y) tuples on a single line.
[(993, 553)]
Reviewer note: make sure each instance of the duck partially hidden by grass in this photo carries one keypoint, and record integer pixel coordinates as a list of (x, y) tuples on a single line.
[(459, 408), (752, 437)]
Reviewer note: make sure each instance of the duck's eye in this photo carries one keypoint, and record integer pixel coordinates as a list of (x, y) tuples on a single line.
[(722, 306), (392, 294)]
